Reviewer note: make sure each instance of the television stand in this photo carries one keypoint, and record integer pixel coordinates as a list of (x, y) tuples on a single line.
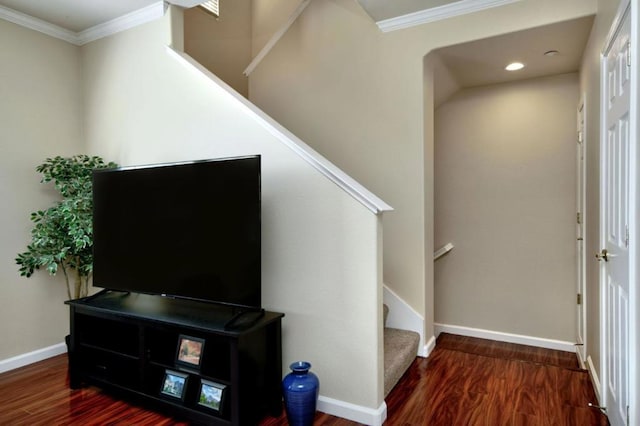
[(179, 356), (245, 318)]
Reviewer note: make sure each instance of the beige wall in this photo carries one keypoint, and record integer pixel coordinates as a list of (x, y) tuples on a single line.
[(267, 17), (357, 96), (40, 117), (590, 88), (505, 197), (223, 44), (321, 248)]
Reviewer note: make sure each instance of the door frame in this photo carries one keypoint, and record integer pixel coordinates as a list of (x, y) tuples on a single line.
[(634, 210), (581, 226)]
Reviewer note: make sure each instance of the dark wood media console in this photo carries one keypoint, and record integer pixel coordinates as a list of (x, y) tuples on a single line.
[(177, 356)]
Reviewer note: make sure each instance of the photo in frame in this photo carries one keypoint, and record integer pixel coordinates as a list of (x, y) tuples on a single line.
[(174, 384), (190, 350), (212, 395)]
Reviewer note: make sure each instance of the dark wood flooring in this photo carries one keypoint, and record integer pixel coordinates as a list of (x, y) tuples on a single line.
[(464, 382)]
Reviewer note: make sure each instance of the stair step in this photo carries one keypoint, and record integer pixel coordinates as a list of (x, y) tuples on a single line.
[(400, 349)]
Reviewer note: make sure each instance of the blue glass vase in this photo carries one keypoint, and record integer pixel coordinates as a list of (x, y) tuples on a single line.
[(300, 390)]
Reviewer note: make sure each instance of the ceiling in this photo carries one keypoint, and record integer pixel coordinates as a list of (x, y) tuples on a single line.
[(482, 62), (76, 15)]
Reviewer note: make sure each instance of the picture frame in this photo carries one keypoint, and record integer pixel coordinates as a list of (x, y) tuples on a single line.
[(174, 384), (189, 352), (212, 395)]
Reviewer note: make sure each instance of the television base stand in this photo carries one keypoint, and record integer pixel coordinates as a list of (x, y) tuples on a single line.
[(131, 344), (244, 319)]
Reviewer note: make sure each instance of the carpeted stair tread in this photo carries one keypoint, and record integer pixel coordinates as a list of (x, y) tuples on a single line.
[(400, 349)]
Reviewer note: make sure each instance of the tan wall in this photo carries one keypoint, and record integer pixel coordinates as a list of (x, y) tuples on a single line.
[(40, 117), (267, 17), (223, 44), (357, 96), (321, 248), (505, 192), (590, 87)]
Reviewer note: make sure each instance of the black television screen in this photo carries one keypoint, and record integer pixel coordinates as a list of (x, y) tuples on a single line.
[(187, 230)]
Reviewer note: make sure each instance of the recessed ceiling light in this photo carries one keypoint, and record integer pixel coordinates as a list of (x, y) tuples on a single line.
[(551, 53), (514, 66)]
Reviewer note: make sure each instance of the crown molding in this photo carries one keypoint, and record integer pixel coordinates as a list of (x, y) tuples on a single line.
[(439, 13), (36, 24), (125, 22)]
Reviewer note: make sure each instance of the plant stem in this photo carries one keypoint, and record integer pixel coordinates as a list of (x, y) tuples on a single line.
[(66, 278)]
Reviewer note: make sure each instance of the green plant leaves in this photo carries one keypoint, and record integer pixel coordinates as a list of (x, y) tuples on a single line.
[(62, 235)]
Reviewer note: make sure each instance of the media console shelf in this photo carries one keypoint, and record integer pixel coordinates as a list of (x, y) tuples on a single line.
[(176, 356)]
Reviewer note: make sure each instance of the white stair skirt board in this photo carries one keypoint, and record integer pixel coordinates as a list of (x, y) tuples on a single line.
[(499, 336), (31, 357), (355, 413), (404, 317), (595, 380)]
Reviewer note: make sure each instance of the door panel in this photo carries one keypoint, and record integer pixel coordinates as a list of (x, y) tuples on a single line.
[(615, 225)]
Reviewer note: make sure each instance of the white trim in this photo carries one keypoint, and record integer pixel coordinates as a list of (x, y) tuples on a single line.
[(594, 379), (582, 208), (39, 25), (403, 316), (324, 166), (275, 38), (125, 22), (429, 346), (462, 7), (31, 357), (356, 413), (540, 342)]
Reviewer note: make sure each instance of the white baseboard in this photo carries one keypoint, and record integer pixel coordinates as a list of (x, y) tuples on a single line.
[(594, 379), (31, 357), (356, 413), (540, 342), (430, 346), (404, 317), (581, 362)]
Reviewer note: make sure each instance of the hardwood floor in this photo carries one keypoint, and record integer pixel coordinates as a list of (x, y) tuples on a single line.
[(465, 381)]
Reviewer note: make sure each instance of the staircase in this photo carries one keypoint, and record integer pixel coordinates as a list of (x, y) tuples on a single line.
[(400, 349)]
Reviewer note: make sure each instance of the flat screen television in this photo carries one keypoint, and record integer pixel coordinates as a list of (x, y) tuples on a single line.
[(187, 230)]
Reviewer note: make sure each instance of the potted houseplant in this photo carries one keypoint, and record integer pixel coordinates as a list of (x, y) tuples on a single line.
[(62, 235)]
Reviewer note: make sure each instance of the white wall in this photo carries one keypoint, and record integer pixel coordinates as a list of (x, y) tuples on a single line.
[(505, 197), (40, 117), (357, 96), (321, 248)]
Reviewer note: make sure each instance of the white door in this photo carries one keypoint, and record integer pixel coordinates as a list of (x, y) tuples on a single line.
[(614, 257), (580, 219)]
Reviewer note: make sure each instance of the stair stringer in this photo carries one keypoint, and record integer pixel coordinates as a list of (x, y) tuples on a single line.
[(404, 317)]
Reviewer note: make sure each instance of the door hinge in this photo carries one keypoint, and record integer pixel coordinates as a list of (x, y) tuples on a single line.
[(578, 218), (627, 414), (579, 299), (629, 53), (626, 237)]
